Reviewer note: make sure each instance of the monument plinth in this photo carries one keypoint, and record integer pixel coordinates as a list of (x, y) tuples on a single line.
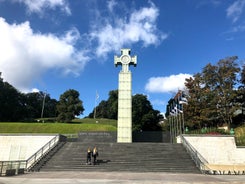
[(124, 122)]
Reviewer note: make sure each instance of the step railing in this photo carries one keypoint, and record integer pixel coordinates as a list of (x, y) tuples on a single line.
[(199, 160), (13, 167), (20, 166), (41, 152)]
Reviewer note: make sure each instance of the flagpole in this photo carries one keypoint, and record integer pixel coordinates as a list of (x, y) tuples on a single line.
[(95, 103), (173, 129), (43, 106), (183, 120), (182, 102), (170, 125), (94, 110)]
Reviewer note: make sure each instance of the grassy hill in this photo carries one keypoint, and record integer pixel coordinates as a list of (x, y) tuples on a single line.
[(76, 126)]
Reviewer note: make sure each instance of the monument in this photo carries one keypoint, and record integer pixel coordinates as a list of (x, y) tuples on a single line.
[(124, 122)]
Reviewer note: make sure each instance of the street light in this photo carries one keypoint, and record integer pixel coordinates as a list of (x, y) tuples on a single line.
[(43, 106)]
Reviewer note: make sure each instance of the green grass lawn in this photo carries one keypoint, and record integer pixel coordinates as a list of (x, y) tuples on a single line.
[(76, 126)]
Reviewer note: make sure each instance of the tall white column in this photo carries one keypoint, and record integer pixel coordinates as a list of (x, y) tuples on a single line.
[(124, 133), (124, 127)]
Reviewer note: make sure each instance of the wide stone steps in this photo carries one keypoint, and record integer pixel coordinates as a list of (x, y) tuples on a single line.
[(134, 157)]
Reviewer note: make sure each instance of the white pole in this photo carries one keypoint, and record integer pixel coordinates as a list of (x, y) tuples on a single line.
[(43, 104), (95, 103)]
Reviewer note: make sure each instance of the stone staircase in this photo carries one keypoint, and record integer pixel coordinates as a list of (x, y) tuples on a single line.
[(131, 157)]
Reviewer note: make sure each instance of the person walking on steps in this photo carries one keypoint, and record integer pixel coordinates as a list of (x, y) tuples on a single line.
[(95, 154), (89, 154)]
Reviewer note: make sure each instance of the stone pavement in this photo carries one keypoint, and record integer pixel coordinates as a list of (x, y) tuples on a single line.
[(119, 178)]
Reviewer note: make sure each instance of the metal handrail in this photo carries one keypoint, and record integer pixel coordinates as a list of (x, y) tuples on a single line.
[(199, 160), (17, 165), (39, 154)]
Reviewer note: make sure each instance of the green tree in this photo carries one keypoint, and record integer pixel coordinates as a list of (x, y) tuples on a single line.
[(144, 117), (225, 88), (69, 106), (34, 105), (196, 112), (100, 111), (113, 104), (50, 107), (17, 106), (240, 97), (212, 93), (243, 75), (108, 108), (12, 103)]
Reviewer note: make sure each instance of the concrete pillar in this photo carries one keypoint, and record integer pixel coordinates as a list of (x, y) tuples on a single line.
[(124, 127)]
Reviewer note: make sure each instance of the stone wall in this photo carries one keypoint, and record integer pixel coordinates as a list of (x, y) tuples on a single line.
[(21, 147), (217, 149)]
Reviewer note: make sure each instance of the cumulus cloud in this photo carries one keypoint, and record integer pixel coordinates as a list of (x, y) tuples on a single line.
[(139, 26), (235, 10), (37, 6), (168, 84), (26, 56)]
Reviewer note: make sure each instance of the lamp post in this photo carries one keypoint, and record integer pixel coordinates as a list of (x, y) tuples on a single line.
[(43, 105)]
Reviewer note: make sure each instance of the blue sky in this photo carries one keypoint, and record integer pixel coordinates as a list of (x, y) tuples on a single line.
[(56, 45)]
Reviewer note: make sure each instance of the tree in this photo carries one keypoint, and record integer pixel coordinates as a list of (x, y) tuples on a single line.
[(50, 107), (113, 104), (108, 108), (101, 110), (69, 106), (12, 103), (144, 117), (17, 106), (240, 97), (212, 93), (196, 113), (243, 75), (227, 81), (34, 105)]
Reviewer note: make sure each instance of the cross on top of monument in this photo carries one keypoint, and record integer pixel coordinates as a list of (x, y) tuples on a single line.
[(125, 60)]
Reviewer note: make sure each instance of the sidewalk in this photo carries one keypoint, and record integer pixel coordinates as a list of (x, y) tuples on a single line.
[(119, 177)]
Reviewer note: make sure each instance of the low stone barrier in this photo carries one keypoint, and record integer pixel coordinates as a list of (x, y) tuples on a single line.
[(226, 169)]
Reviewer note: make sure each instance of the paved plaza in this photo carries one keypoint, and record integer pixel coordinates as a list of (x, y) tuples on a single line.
[(119, 177)]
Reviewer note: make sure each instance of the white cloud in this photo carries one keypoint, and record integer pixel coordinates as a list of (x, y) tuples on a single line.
[(26, 56), (38, 6), (235, 10), (172, 83), (239, 28), (111, 4), (35, 90), (158, 102), (118, 32)]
